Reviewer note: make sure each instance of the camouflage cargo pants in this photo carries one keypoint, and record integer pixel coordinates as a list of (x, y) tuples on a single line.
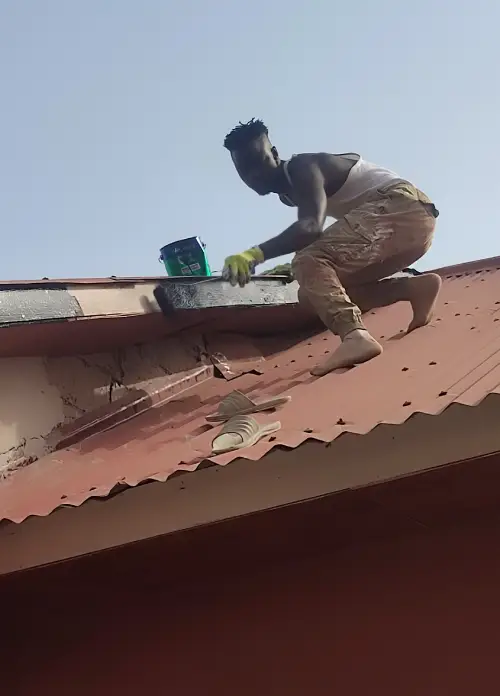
[(389, 232)]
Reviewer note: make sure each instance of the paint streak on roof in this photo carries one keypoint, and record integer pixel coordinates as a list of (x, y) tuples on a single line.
[(456, 359)]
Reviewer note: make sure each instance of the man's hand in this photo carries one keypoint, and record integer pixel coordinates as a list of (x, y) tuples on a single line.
[(239, 268)]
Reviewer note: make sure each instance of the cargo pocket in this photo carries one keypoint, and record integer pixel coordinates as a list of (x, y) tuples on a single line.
[(359, 229)]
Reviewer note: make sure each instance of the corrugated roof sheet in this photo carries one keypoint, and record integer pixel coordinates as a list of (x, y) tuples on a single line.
[(454, 359)]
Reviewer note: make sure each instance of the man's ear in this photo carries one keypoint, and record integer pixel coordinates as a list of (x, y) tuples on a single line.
[(275, 155)]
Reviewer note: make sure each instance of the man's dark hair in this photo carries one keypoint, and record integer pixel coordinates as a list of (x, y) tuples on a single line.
[(244, 133)]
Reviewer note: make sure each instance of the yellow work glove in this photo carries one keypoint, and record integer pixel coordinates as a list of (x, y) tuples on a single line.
[(239, 268)]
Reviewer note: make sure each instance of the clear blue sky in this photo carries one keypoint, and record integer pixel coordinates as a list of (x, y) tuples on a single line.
[(114, 112)]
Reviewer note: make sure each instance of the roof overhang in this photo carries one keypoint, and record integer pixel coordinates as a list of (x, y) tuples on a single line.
[(79, 317), (282, 477)]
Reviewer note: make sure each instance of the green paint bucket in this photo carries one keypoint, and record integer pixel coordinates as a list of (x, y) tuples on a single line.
[(185, 257)]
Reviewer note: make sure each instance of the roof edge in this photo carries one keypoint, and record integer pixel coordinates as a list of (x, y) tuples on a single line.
[(59, 310), (469, 266), (477, 264), (65, 282), (217, 493)]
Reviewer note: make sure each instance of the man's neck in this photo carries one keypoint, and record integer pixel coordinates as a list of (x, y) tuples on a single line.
[(281, 184)]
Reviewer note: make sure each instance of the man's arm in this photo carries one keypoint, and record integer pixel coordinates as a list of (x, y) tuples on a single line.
[(309, 194)]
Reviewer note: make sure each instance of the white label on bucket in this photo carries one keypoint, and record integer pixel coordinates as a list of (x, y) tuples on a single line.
[(194, 266), (185, 270)]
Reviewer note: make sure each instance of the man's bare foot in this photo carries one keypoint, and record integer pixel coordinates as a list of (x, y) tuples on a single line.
[(357, 347), (424, 291)]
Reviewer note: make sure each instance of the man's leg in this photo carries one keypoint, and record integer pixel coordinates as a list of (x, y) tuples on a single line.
[(391, 227), (420, 291), (320, 287), (370, 288)]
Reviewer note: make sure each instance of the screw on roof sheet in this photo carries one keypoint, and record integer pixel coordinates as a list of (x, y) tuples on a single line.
[(457, 314), (442, 393), (308, 430), (309, 356), (404, 369), (63, 497), (495, 319), (433, 362), (472, 327), (407, 403), (93, 488), (446, 303), (272, 439), (341, 421), (382, 337), (497, 302)]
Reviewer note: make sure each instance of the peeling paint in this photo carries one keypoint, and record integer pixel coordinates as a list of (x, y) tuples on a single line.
[(41, 395)]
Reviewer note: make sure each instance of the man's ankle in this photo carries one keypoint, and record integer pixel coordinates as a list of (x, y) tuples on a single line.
[(356, 332)]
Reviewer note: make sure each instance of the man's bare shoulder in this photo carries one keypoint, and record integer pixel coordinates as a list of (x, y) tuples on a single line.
[(328, 160), (333, 169)]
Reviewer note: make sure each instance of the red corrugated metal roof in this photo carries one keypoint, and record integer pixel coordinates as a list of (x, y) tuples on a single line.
[(454, 359)]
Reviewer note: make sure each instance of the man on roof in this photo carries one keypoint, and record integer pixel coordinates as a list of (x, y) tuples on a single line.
[(383, 225)]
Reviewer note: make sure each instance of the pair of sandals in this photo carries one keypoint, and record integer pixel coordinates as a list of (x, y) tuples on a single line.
[(240, 429)]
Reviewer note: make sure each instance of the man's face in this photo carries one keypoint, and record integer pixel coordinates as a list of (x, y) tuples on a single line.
[(256, 165)]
